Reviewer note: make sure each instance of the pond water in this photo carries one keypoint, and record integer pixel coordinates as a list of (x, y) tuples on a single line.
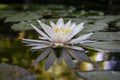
[(16, 58)]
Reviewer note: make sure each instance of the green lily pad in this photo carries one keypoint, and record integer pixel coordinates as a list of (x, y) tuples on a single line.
[(23, 16), (106, 36), (118, 24), (6, 13), (24, 26), (94, 27), (100, 75), (11, 72), (111, 46)]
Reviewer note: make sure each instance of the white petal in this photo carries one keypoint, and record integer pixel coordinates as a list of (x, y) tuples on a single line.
[(48, 30), (40, 32), (76, 48), (60, 23), (43, 38), (68, 23), (39, 47), (78, 28), (73, 32), (73, 25), (52, 24), (86, 41), (81, 38), (33, 41), (68, 36)]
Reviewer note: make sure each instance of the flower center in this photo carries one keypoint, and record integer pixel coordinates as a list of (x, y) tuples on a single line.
[(62, 30)]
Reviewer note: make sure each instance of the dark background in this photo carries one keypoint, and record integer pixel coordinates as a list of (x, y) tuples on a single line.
[(69, 2), (110, 5)]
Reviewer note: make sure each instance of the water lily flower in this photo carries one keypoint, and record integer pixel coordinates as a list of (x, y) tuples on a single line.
[(59, 36)]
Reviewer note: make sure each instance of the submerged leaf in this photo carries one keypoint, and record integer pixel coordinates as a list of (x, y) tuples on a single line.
[(100, 75)]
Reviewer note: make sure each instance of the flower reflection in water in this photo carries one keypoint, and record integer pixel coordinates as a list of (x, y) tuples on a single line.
[(59, 42), (102, 61)]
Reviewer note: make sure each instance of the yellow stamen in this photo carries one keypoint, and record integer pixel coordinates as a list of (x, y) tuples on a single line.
[(63, 30)]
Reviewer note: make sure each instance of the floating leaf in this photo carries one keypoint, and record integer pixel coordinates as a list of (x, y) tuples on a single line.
[(22, 16), (11, 72), (106, 36), (118, 24), (110, 18), (113, 46), (24, 25), (94, 27), (6, 13), (105, 19), (100, 75)]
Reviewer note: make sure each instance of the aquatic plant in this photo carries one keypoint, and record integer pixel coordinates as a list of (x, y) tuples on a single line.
[(59, 42)]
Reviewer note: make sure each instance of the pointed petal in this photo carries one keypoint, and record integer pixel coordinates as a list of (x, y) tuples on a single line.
[(67, 58), (60, 23), (79, 55), (73, 25), (50, 60), (68, 23), (81, 38), (86, 41), (52, 24), (43, 38), (78, 28), (39, 47), (41, 56), (48, 30), (40, 32), (33, 41), (73, 32), (76, 48), (68, 36)]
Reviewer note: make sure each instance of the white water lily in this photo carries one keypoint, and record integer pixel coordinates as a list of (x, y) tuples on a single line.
[(59, 35)]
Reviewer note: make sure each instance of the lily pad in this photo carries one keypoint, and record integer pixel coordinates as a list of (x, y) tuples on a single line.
[(24, 26), (118, 24), (23, 16), (100, 75), (12, 72), (106, 36), (94, 27), (6, 13), (111, 46)]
